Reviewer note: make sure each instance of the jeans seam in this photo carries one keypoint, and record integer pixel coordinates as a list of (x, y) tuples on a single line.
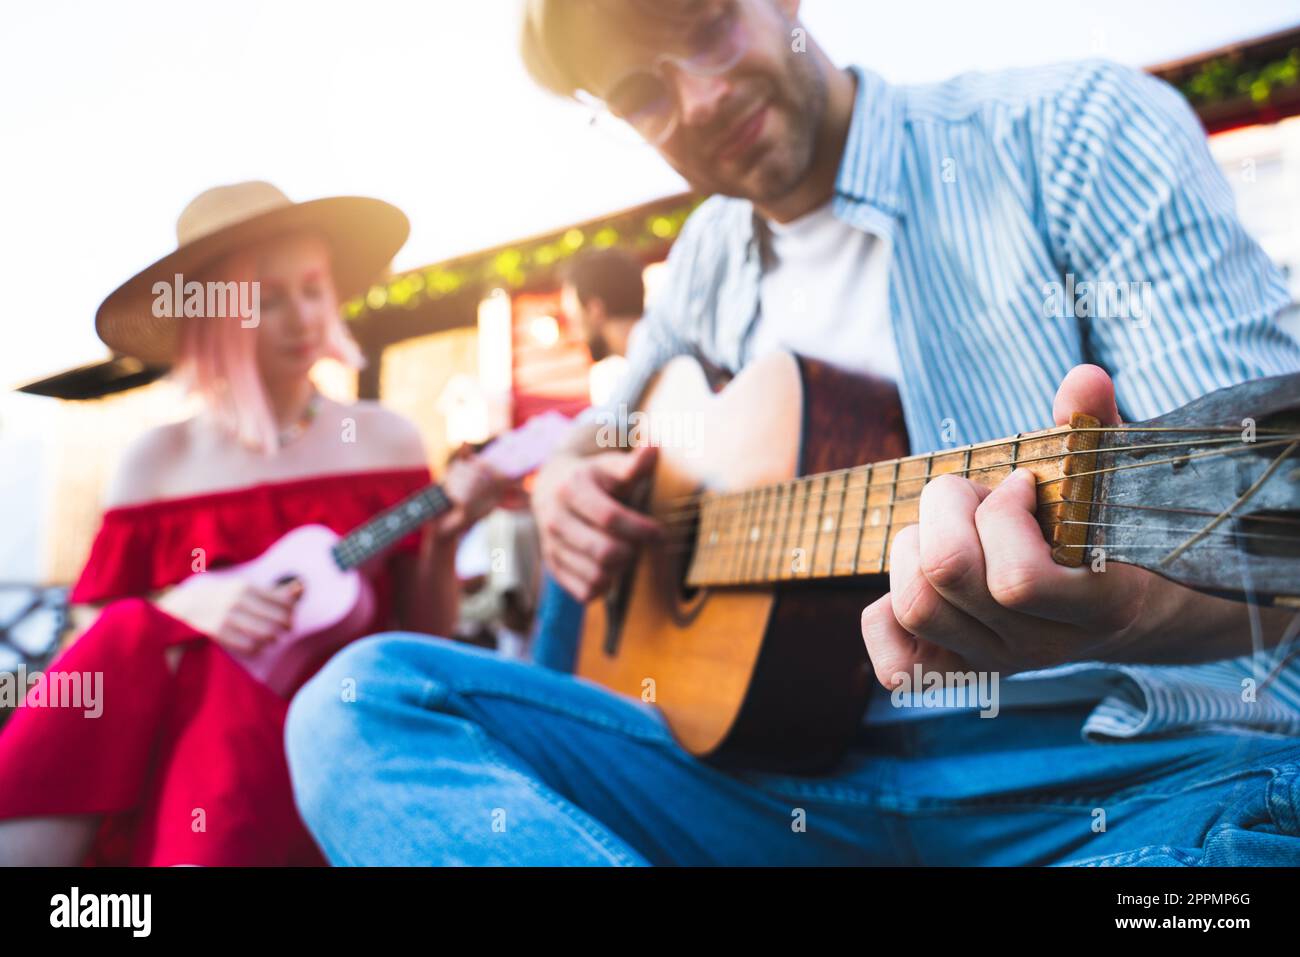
[(1280, 800), (1122, 858), (558, 706)]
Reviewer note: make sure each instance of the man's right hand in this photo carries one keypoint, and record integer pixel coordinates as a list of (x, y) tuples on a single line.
[(589, 536)]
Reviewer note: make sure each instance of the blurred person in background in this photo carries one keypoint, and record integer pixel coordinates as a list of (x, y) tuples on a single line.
[(603, 293), (185, 763)]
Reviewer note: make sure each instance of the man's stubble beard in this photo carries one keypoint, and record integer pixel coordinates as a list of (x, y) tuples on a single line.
[(787, 163)]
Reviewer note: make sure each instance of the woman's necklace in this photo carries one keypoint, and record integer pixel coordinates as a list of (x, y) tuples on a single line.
[(292, 432)]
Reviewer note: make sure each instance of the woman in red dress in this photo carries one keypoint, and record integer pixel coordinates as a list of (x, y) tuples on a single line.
[(182, 760)]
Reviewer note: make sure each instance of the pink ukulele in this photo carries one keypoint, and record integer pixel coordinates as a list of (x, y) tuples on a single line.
[(338, 602)]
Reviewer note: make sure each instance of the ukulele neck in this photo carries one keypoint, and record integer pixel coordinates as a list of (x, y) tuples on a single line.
[(390, 526), (841, 524)]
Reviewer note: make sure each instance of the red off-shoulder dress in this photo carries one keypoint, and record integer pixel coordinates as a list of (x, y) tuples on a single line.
[(185, 767)]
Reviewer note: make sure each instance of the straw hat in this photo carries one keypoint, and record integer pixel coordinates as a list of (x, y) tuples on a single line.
[(363, 235)]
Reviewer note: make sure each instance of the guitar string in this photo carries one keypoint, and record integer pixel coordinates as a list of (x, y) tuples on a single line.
[(688, 515), (931, 456), (853, 527), (732, 546), (1272, 519), (807, 482), (838, 548), (742, 536), (730, 542), (836, 566)]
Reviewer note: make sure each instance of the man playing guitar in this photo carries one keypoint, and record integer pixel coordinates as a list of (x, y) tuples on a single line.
[(912, 233)]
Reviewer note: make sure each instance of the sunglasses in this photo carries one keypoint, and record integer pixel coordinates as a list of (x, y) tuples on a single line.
[(645, 100)]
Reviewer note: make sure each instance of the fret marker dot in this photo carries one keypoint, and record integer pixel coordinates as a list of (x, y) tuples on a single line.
[(875, 516), (713, 538), (753, 534), (828, 525)]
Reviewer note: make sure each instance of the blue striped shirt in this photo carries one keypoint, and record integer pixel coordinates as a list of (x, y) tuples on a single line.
[(992, 191)]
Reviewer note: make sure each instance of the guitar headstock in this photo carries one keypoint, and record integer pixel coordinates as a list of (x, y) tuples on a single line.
[(1207, 495)]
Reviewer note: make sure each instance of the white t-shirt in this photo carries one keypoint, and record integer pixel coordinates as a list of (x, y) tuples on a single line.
[(825, 294)]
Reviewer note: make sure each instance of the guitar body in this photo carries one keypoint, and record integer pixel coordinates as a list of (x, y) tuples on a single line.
[(336, 606), (760, 677)]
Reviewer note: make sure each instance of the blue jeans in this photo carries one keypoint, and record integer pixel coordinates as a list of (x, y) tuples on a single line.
[(407, 749)]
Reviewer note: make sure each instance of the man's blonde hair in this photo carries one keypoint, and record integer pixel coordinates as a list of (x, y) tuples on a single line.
[(541, 43), (546, 36)]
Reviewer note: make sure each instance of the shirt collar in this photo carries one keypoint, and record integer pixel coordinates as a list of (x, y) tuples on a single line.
[(871, 168)]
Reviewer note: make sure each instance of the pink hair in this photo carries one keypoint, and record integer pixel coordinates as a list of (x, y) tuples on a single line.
[(216, 359)]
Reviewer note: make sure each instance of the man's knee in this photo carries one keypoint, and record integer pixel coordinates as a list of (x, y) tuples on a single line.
[(322, 727)]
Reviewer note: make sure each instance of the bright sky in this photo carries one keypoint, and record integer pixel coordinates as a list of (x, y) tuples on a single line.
[(112, 121)]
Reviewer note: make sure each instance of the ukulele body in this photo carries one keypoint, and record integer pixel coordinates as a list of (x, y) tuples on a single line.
[(764, 678), (336, 606)]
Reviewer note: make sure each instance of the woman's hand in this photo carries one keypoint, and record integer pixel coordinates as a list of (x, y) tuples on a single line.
[(474, 488), (236, 614)]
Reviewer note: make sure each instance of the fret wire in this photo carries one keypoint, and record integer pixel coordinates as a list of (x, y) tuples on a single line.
[(704, 551), (817, 524), (771, 516), (734, 522), (765, 559), (750, 533), (781, 557), (755, 536), (796, 543), (728, 535), (835, 541), (772, 565), (742, 533), (752, 528), (820, 522), (862, 519), (889, 516), (743, 517), (720, 567)]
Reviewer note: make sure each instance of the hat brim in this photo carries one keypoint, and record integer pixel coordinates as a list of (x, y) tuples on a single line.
[(363, 234), (95, 380)]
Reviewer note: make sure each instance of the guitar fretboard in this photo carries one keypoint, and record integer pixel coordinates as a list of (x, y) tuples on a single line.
[(389, 526), (840, 524)]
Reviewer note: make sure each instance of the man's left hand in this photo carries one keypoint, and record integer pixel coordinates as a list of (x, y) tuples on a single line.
[(973, 584)]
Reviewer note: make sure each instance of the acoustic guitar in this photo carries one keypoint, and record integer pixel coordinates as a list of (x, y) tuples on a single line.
[(783, 492)]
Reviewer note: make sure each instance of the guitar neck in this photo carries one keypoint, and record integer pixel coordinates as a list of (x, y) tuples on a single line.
[(390, 526), (841, 524)]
